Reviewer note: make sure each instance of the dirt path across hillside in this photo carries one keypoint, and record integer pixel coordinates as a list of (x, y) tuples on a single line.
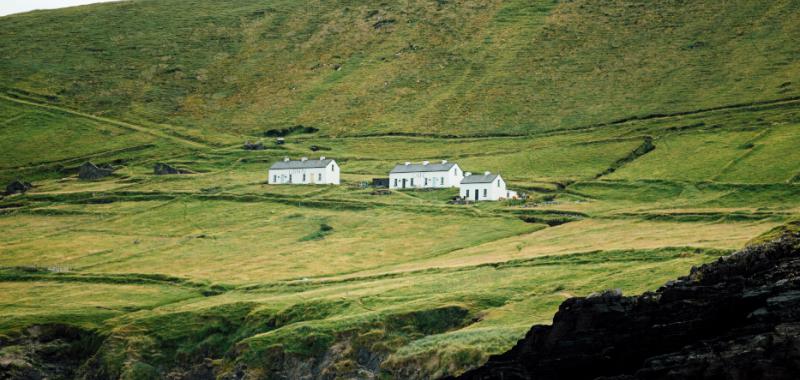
[(123, 124)]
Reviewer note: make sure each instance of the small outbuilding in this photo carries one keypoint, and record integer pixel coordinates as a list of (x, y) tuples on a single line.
[(485, 187), (425, 175), (380, 183), (323, 171)]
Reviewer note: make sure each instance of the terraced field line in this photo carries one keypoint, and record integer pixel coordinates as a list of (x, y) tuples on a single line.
[(12, 118), (749, 107), (123, 124), (79, 158), (729, 166)]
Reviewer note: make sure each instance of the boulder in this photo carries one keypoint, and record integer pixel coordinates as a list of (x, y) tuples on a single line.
[(18, 187), (315, 148), (161, 168), (736, 318), (253, 146), (89, 171)]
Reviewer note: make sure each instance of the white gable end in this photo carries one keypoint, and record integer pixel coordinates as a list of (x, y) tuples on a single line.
[(483, 188)]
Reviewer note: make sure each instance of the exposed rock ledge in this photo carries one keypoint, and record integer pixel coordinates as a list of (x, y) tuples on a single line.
[(737, 318)]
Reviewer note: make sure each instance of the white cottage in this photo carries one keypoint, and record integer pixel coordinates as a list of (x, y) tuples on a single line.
[(486, 187), (304, 172), (425, 175)]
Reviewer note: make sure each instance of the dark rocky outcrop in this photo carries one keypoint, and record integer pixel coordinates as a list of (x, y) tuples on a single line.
[(89, 171), (316, 148), (18, 187), (384, 23), (46, 352), (296, 129), (161, 168), (253, 145), (737, 318)]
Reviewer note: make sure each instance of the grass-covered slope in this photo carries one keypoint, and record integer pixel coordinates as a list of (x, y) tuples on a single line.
[(216, 273), (443, 67)]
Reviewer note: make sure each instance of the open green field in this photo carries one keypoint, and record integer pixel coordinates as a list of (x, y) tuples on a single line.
[(201, 264), (650, 137)]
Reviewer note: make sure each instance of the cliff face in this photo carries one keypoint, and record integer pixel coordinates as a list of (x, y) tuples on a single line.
[(737, 318)]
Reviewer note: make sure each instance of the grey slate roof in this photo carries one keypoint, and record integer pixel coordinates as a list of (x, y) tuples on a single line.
[(297, 164), (479, 178), (414, 168)]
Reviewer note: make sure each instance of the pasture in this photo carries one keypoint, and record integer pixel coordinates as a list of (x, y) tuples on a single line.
[(648, 138), (142, 256)]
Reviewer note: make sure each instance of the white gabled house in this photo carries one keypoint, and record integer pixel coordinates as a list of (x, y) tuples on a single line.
[(425, 175), (304, 172), (485, 187)]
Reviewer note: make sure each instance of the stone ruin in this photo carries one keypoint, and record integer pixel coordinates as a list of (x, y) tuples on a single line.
[(90, 172)]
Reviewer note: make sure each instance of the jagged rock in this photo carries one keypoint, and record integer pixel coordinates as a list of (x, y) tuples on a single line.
[(736, 318), (46, 352), (161, 168), (297, 129), (18, 187), (253, 146), (89, 171)]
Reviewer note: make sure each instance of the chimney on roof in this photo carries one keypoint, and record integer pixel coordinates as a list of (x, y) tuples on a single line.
[(426, 162), (322, 158), (444, 162), (304, 159), (467, 174), (487, 173), (286, 159), (407, 163)]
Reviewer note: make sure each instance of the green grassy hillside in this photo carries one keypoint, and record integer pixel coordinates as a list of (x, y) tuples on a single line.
[(649, 136), (442, 67)]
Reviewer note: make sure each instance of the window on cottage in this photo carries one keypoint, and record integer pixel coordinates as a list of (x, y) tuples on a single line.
[(441, 181), (304, 177), (275, 178), (319, 177), (412, 181), (331, 167), (395, 182), (467, 194), (484, 193), (290, 178)]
